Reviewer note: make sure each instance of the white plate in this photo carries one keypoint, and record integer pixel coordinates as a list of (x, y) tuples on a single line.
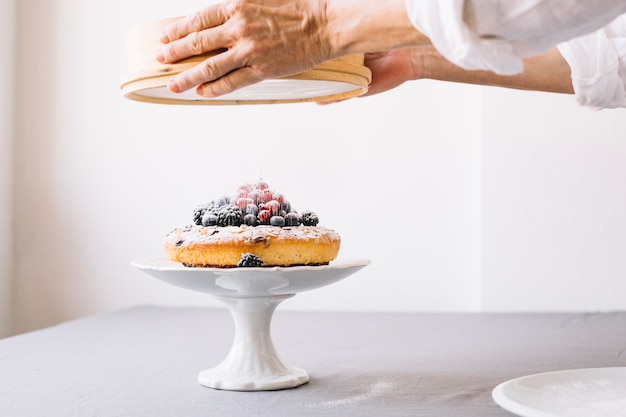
[(592, 392), (250, 281)]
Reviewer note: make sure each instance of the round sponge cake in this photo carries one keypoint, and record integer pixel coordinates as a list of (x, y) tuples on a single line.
[(214, 246), (253, 227)]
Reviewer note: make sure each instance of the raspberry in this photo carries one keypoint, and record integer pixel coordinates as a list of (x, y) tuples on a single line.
[(244, 187), (261, 185), (266, 195), (255, 196), (242, 203), (273, 206), (264, 216), (249, 260), (278, 197)]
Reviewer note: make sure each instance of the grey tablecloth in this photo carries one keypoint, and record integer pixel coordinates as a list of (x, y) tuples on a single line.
[(144, 362)]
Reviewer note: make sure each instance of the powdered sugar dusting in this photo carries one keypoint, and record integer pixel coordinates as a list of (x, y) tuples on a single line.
[(373, 391), (199, 235)]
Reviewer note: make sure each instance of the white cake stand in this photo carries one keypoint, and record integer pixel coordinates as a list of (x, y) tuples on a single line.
[(251, 295)]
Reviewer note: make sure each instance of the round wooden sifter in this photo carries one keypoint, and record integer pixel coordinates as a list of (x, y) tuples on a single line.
[(146, 79)]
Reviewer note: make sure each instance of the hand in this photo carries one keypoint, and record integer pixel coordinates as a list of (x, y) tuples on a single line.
[(261, 39), (392, 68)]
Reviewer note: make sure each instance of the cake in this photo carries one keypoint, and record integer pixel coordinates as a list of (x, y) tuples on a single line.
[(255, 227)]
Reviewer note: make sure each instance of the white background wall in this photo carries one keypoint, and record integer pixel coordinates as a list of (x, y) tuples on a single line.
[(7, 49), (452, 191), (553, 204)]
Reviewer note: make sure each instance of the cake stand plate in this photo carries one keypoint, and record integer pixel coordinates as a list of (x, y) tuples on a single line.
[(251, 295)]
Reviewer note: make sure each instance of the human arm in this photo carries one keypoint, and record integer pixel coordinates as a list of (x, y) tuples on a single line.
[(548, 72), (274, 38)]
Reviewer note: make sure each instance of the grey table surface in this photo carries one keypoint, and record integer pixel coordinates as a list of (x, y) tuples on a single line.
[(144, 361)]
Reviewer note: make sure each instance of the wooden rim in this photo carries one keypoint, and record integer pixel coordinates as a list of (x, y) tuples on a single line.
[(144, 72)]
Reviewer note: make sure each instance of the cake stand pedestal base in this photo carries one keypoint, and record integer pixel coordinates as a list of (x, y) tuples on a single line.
[(252, 363)]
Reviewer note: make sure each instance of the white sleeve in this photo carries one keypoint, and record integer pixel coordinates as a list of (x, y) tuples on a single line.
[(598, 64), (496, 35)]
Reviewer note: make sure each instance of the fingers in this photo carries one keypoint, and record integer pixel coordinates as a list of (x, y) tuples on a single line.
[(217, 75), (235, 80), (203, 19), (195, 43), (191, 35)]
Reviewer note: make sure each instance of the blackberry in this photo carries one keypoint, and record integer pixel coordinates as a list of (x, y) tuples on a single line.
[(202, 209), (229, 215), (213, 207), (249, 260), (198, 212), (309, 218), (292, 219)]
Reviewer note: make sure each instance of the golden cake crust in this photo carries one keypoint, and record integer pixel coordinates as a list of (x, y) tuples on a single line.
[(214, 246)]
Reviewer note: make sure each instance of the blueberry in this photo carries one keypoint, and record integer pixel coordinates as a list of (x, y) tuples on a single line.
[(277, 221), (252, 209), (292, 219), (249, 220), (209, 219), (285, 205)]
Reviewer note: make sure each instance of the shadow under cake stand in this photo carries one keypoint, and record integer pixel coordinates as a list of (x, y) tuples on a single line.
[(251, 295)]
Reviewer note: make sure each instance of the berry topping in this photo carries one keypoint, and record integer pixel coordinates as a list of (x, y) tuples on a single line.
[(309, 218), (249, 220), (264, 217), (229, 215), (278, 197), (261, 185), (292, 219), (252, 205), (249, 260), (222, 201), (209, 219), (255, 196), (266, 195), (273, 206), (243, 202), (198, 212), (277, 221), (252, 209)]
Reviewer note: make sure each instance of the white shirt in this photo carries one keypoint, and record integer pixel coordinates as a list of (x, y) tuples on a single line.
[(496, 35)]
